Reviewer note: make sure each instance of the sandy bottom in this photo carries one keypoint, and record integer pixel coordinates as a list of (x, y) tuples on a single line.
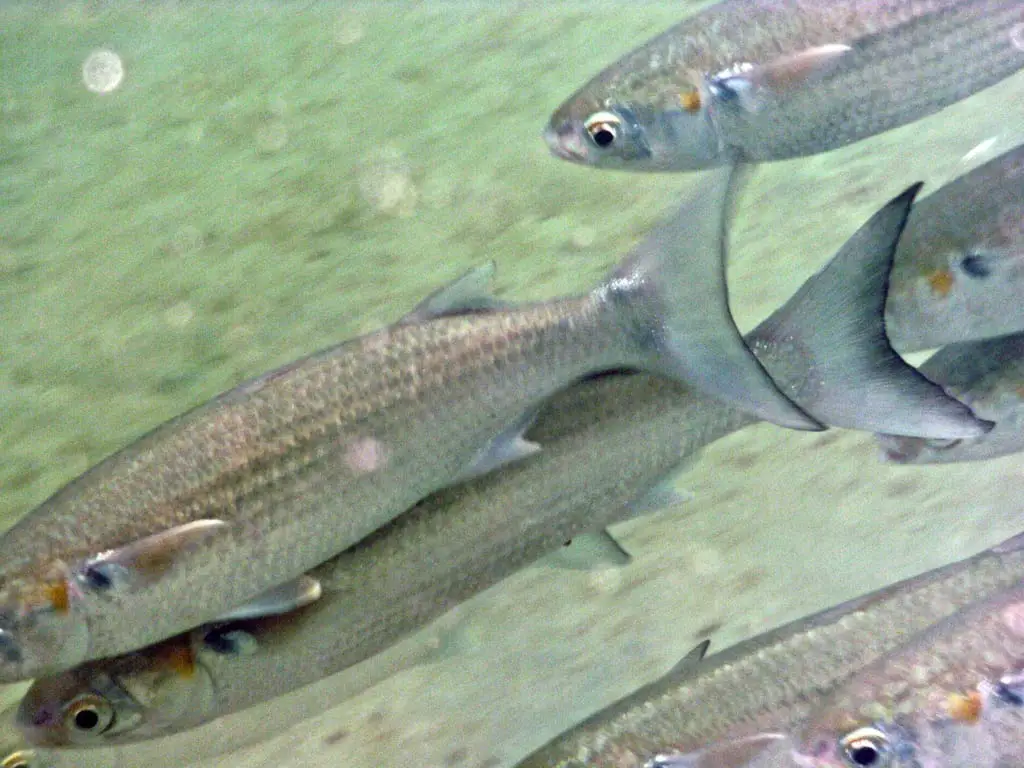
[(264, 182)]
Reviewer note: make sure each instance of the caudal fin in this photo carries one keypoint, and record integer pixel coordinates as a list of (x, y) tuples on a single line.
[(675, 279), (827, 346)]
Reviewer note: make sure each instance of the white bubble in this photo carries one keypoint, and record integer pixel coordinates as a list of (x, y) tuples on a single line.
[(102, 71)]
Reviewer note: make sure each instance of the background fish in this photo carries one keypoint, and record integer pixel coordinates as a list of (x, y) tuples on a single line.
[(959, 272), (607, 443), (760, 80), (988, 376), (270, 479), (740, 707), (952, 697)]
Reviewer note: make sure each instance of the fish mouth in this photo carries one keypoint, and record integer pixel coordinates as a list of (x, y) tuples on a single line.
[(564, 142)]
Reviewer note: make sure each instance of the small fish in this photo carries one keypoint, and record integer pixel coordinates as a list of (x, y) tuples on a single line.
[(989, 377), (197, 519), (959, 272), (762, 80), (742, 707), (951, 697), (611, 446)]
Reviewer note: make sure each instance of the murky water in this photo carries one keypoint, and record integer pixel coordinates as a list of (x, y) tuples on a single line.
[(192, 195)]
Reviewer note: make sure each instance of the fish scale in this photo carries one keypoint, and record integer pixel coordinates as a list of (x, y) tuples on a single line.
[(904, 61), (772, 682)]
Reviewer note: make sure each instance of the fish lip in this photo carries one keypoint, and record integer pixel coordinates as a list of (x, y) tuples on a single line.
[(563, 142)]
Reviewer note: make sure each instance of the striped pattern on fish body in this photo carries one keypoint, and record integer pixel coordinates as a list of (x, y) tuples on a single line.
[(774, 681), (762, 80), (607, 441), (303, 462)]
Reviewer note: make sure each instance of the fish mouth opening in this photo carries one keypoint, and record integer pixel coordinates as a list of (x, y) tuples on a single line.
[(565, 143)]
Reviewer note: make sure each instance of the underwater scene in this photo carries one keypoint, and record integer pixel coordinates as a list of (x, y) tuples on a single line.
[(512, 385)]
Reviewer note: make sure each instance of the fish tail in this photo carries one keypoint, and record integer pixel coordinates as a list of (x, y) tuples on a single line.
[(846, 373), (672, 291)]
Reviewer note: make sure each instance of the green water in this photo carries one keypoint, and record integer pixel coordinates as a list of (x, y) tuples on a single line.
[(269, 179)]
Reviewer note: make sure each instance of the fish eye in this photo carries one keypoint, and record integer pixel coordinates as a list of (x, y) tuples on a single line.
[(975, 264), (89, 715), (603, 128), (865, 748), (19, 759)]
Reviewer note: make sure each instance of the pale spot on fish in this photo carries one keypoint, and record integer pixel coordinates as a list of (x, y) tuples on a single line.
[(365, 455), (1013, 618), (102, 71), (1017, 36)]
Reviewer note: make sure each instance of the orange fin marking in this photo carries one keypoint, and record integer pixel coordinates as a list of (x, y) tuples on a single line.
[(941, 281), (690, 101), (966, 709)]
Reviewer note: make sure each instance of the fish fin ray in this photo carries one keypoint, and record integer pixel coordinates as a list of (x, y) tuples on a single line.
[(674, 281), (751, 87), (694, 657), (141, 562), (284, 598), (466, 294), (851, 376), (729, 754), (507, 447)]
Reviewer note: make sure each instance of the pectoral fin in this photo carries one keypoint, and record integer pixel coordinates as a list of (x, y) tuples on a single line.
[(469, 293), (750, 87), (283, 598), (144, 561), (587, 551), (507, 447), (731, 754)]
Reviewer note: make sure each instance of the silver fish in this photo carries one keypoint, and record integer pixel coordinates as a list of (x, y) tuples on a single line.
[(743, 707), (951, 697), (989, 377), (213, 508), (607, 443), (959, 272), (761, 80)]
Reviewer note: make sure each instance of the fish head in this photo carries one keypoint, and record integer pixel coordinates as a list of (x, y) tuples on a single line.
[(42, 629), (874, 745), (605, 126), (129, 698)]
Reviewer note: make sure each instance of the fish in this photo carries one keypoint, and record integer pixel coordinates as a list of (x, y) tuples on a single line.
[(950, 697), (217, 511), (959, 271), (744, 706), (988, 376), (612, 446), (755, 81)]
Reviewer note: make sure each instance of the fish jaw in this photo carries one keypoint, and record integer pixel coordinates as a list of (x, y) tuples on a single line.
[(42, 628)]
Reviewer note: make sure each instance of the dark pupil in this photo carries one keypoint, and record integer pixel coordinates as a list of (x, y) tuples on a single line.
[(603, 137), (975, 266), (865, 755), (97, 579), (86, 719)]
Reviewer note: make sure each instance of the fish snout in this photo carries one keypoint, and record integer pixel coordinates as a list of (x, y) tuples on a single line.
[(564, 141)]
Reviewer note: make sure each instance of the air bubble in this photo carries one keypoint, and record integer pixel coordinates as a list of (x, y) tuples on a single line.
[(102, 71)]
